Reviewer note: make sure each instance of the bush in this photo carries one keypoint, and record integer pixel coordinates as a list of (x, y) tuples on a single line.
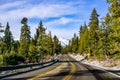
[(14, 59)]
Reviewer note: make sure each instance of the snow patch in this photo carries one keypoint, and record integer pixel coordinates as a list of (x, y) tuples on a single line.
[(63, 41), (94, 62)]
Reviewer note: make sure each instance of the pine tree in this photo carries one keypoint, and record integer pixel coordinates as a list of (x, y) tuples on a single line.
[(24, 38), (32, 53), (114, 10), (106, 36), (56, 45), (68, 47), (83, 41), (85, 37), (8, 38), (41, 41), (16, 46), (1, 30), (50, 44), (80, 39), (74, 44), (94, 28), (40, 30), (1, 39), (1, 48)]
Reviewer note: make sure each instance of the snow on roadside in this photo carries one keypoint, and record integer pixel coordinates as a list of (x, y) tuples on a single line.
[(77, 57), (94, 62)]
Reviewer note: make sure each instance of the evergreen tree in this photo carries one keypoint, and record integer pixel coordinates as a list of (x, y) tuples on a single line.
[(83, 41), (8, 38), (74, 44), (67, 48), (41, 41), (24, 38), (40, 30), (94, 28), (1, 30), (106, 36), (16, 46), (56, 45), (32, 53), (50, 44), (13, 58), (114, 10), (80, 39), (1, 47), (1, 39)]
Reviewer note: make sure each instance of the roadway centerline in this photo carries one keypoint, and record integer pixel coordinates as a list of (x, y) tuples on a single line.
[(73, 69), (46, 73)]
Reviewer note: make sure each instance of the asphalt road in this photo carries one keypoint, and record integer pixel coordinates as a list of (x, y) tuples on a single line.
[(66, 69)]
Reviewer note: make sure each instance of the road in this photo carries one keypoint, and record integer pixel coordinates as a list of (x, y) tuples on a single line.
[(66, 69)]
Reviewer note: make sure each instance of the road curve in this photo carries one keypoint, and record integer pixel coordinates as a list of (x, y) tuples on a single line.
[(66, 69)]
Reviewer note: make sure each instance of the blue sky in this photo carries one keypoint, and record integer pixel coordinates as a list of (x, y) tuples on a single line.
[(62, 17)]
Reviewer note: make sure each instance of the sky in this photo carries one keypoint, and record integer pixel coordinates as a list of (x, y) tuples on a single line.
[(62, 17)]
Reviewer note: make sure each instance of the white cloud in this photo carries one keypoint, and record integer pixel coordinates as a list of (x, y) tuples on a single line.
[(12, 5), (66, 33), (61, 21), (64, 20), (39, 10)]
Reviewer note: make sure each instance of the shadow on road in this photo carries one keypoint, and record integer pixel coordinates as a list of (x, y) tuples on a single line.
[(98, 74), (85, 73)]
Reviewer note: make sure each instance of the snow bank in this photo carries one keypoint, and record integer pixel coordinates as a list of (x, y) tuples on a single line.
[(94, 62), (77, 57)]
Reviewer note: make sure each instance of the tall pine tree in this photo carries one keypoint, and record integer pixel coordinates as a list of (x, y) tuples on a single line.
[(41, 40), (8, 38), (94, 28), (24, 38)]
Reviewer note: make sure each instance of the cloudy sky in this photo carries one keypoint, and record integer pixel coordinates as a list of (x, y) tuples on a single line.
[(62, 17)]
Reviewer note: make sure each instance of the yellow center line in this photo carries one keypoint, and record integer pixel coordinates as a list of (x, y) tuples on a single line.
[(48, 72), (71, 72)]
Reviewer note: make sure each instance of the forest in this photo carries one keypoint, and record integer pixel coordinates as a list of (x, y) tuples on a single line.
[(28, 49), (100, 38)]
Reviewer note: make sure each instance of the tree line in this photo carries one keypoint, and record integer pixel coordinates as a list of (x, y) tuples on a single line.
[(27, 48), (100, 38)]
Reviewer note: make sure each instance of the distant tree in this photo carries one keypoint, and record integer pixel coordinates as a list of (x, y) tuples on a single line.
[(74, 44), (56, 45), (84, 38)]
